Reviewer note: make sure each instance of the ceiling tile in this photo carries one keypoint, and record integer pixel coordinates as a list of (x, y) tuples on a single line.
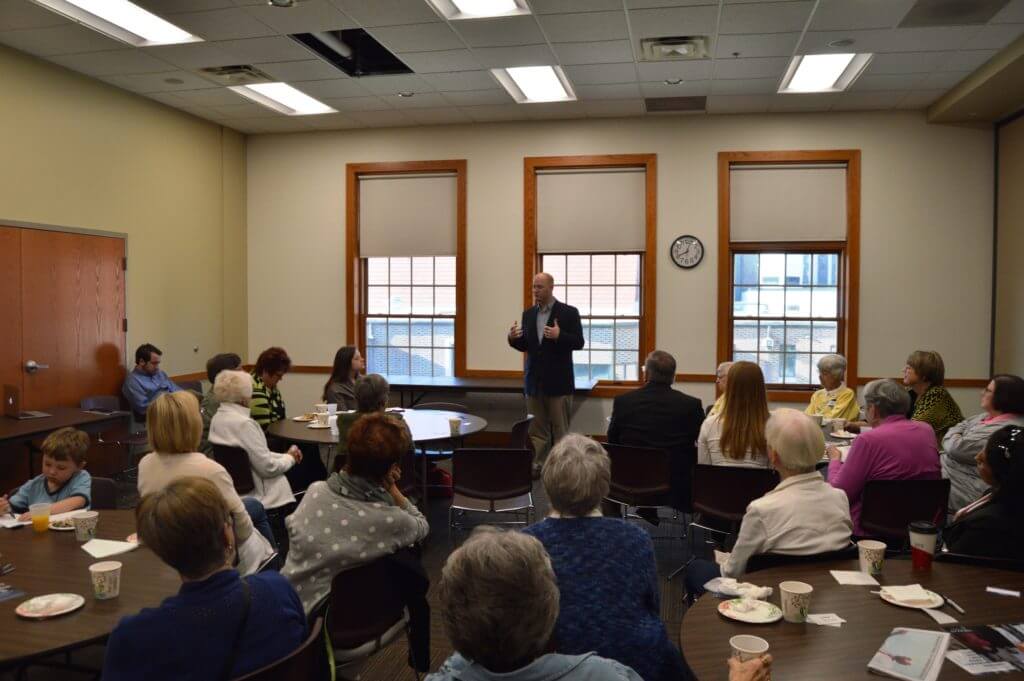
[(695, 88), (745, 86), (276, 48), (222, 24), (459, 81), (305, 17), (335, 121), (685, 69), (584, 26), (848, 15), (63, 39), (273, 125), (968, 60), (381, 119), (905, 62), (767, 45), (615, 91), (296, 71), (817, 42), (1011, 14), (16, 14), (442, 61), (357, 104), (937, 39), (765, 67), (157, 82), (523, 55), (613, 108), (191, 56), (898, 81), (608, 52), (548, 110), (651, 23), (417, 37), (919, 99), (739, 103), (210, 97), (598, 74), (650, 4), (244, 110), (766, 17), (502, 32), (444, 116), (994, 37), (943, 80), (868, 101), (805, 102), (478, 97), (497, 112), (164, 7), (422, 100), (387, 12), (560, 6), (390, 85), (111, 62), (335, 87)]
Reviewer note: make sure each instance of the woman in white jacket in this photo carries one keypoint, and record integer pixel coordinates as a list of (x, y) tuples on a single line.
[(232, 426)]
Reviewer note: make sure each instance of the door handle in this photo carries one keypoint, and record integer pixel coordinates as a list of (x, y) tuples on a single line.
[(33, 366)]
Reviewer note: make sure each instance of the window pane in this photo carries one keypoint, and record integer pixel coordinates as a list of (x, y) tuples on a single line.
[(422, 271), (798, 336), (603, 269), (398, 361), (581, 364), (798, 302), (585, 324), (376, 360), (398, 332), (377, 271), (377, 300), (400, 271), (601, 334), (772, 336), (745, 266), (627, 269), (744, 301), (444, 333), (826, 269), (421, 333), (579, 297), (577, 269), (555, 266), (798, 269), (627, 334), (444, 270), (825, 302), (798, 369), (825, 337), (601, 364), (627, 300), (772, 299), (422, 362), (771, 364), (559, 293), (422, 300), (400, 300), (603, 300), (745, 357), (773, 269), (626, 363), (376, 331), (444, 300), (744, 336), (444, 362)]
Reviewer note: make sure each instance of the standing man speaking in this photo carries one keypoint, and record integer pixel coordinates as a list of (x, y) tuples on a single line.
[(549, 333)]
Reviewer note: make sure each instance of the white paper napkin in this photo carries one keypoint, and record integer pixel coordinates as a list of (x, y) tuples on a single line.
[(104, 548), (941, 617), (854, 577), (829, 619), (909, 592)]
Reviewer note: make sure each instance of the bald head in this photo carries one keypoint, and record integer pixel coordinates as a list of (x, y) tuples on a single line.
[(795, 439), (543, 288)]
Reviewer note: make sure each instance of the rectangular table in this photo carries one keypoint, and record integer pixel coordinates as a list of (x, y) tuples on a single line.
[(424, 385)]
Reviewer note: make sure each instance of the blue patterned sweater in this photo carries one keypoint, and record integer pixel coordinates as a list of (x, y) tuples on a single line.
[(608, 585)]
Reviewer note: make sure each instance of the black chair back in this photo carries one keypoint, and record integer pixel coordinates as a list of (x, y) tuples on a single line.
[(194, 386), (104, 494), (765, 561), (725, 491), (236, 461), (641, 476), (519, 438), (889, 506), (101, 403), (983, 561), (363, 605), (298, 665), (492, 474)]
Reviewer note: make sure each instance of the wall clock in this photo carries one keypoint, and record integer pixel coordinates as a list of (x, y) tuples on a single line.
[(687, 251)]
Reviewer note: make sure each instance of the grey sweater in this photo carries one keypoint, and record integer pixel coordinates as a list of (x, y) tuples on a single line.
[(959, 447)]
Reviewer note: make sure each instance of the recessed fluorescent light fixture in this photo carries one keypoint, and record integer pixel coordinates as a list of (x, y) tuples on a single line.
[(121, 20), (479, 9), (823, 72), (283, 98), (531, 84)]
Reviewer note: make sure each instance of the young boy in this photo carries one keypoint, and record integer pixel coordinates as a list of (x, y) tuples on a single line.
[(64, 481)]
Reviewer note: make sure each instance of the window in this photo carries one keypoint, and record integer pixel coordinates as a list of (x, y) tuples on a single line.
[(786, 310), (606, 289), (410, 315)]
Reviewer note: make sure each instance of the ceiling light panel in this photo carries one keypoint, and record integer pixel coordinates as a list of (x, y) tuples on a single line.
[(478, 9), (283, 98), (121, 20), (533, 84), (823, 72)]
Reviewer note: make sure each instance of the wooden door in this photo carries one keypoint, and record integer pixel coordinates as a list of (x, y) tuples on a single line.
[(10, 307), (72, 302)]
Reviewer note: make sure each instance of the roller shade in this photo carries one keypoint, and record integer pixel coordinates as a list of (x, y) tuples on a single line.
[(407, 215), (787, 203), (601, 210)]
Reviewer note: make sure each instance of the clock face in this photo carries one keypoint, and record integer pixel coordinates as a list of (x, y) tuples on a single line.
[(687, 251)]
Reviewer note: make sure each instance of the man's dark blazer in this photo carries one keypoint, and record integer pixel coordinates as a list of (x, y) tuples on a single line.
[(549, 363), (655, 415)]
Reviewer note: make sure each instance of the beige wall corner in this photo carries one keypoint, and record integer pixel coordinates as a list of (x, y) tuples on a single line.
[(235, 258), (1009, 324), (994, 91)]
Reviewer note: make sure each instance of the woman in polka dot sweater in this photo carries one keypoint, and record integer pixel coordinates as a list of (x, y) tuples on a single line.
[(357, 515)]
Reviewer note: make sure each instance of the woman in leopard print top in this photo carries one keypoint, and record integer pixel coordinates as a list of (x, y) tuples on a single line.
[(930, 402)]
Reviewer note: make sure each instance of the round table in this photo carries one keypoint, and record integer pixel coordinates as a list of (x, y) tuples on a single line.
[(423, 424), (811, 652), (54, 562)]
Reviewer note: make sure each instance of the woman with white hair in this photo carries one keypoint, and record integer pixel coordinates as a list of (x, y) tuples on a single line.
[(607, 576), (802, 516), (233, 426), (834, 400), (499, 603)]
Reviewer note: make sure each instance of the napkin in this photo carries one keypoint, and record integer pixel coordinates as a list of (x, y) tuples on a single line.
[(940, 617), (854, 577), (11, 521), (829, 619), (731, 587), (906, 594), (103, 548)]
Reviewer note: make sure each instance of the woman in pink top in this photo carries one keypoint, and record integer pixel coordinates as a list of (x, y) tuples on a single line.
[(894, 449)]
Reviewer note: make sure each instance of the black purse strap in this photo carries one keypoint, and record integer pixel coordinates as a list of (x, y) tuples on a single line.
[(247, 605)]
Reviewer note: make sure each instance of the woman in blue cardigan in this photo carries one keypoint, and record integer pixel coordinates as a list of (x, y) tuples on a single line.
[(218, 626), (607, 577)]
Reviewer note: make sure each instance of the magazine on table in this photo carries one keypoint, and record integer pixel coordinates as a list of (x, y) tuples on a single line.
[(911, 654), (996, 647)]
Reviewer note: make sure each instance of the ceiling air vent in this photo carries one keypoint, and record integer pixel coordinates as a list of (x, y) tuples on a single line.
[(951, 12), (675, 104), (242, 74), (674, 48), (354, 51)]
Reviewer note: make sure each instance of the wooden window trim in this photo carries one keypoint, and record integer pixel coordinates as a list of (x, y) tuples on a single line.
[(850, 267), (355, 314), (649, 162)]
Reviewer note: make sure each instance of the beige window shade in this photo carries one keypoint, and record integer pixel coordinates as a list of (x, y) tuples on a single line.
[(787, 203), (407, 215), (591, 210)]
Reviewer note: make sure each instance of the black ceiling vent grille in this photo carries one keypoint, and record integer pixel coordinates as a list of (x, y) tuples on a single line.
[(354, 51), (676, 104), (951, 12)]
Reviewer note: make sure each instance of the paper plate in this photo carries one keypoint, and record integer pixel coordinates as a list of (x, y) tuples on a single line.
[(844, 435), (61, 528), (760, 612), (50, 605), (305, 418), (319, 426), (934, 601)]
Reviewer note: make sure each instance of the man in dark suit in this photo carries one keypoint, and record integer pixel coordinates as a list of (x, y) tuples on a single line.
[(549, 333), (658, 416)]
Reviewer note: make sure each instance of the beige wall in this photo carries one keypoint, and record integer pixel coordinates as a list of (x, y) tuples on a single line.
[(80, 154), (1009, 345), (926, 217)]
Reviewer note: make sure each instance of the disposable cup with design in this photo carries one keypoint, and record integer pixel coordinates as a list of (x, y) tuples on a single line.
[(85, 525), (106, 579), (321, 408), (796, 600), (323, 418), (332, 409), (922, 544), (872, 556), (40, 514), (817, 418), (746, 647), (455, 426)]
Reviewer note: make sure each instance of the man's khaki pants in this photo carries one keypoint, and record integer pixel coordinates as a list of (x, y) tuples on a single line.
[(550, 422)]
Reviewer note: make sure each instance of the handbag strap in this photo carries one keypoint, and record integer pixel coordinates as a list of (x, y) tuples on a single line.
[(233, 655)]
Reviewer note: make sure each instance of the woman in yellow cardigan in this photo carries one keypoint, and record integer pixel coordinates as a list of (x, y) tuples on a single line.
[(834, 400)]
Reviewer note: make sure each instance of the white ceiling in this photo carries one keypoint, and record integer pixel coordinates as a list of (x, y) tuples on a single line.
[(596, 41)]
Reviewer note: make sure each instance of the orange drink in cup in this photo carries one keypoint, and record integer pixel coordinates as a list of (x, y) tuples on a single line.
[(40, 514)]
